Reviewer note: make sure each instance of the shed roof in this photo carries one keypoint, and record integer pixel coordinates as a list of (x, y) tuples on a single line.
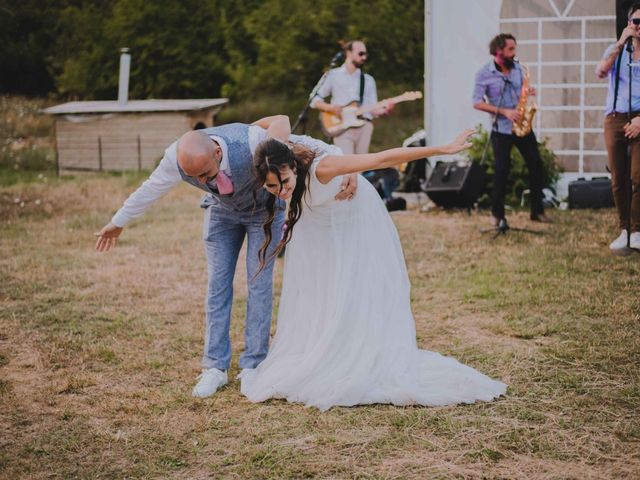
[(109, 106)]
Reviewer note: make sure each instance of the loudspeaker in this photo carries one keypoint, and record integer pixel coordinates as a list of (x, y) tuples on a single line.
[(455, 185), (622, 9), (594, 193)]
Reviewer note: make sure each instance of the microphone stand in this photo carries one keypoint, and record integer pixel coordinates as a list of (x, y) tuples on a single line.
[(630, 65), (494, 123), (302, 117), (502, 226)]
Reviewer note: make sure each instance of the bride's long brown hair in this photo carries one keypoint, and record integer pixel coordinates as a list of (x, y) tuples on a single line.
[(273, 156)]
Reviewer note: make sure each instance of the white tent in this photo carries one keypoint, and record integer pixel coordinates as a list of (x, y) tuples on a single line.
[(457, 35), (561, 41)]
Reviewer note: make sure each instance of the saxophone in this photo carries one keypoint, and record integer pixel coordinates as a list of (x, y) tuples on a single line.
[(525, 108)]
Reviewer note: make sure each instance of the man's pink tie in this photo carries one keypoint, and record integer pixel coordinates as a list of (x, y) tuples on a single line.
[(224, 184)]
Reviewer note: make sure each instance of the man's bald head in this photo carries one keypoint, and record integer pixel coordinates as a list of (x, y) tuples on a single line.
[(197, 154)]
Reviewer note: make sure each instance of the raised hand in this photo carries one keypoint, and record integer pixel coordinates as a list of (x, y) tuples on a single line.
[(629, 31), (107, 237), (461, 142)]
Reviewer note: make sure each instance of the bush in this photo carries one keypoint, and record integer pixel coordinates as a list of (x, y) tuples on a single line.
[(518, 179), (21, 118), (26, 140), (27, 158)]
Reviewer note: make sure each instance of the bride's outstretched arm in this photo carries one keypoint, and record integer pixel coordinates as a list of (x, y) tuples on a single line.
[(332, 165), (277, 126)]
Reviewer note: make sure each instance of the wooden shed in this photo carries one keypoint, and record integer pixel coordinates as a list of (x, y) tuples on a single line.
[(112, 135)]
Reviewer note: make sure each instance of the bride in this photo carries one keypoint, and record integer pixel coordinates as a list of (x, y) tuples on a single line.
[(345, 333)]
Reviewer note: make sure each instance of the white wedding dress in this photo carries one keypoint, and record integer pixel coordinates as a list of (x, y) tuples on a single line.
[(345, 332)]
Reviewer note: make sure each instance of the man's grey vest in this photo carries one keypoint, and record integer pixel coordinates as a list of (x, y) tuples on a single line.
[(236, 136)]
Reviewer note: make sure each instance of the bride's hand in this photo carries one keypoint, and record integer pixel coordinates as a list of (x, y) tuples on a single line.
[(461, 142)]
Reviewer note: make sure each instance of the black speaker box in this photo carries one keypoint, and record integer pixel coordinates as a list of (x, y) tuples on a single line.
[(455, 185), (594, 193)]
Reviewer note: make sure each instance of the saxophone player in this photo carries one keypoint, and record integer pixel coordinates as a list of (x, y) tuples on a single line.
[(499, 91)]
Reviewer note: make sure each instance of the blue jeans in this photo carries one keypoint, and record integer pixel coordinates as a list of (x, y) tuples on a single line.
[(224, 233)]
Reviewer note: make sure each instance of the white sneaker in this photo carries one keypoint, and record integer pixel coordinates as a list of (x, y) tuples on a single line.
[(634, 241), (619, 245), (210, 381)]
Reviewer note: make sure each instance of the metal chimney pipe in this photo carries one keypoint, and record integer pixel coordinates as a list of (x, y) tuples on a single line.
[(123, 82)]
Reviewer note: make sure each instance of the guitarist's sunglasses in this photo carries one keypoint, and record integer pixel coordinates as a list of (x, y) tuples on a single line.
[(635, 21), (364, 54)]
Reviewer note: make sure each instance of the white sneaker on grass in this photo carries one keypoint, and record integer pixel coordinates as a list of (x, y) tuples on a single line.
[(210, 381), (634, 241), (619, 245)]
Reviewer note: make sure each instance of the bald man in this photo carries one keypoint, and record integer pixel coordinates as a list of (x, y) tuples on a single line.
[(218, 160)]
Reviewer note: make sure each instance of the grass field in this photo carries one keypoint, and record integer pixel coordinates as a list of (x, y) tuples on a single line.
[(98, 353)]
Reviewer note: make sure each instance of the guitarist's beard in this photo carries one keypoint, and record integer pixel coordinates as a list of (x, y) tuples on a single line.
[(358, 64)]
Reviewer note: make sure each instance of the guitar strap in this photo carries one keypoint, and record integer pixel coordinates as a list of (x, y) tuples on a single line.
[(361, 86)]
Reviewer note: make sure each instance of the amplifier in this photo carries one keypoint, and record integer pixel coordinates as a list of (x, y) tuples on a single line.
[(594, 193), (453, 184)]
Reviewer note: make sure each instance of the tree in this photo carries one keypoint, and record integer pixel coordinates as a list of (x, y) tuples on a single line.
[(202, 48), (26, 35), (293, 40), (176, 47)]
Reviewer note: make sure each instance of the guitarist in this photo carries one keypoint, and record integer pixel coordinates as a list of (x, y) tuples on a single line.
[(346, 84)]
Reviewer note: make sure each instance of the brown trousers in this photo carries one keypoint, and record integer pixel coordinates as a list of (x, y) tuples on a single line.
[(627, 197)]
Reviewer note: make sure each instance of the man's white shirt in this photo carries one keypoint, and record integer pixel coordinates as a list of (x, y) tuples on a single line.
[(344, 88), (167, 175)]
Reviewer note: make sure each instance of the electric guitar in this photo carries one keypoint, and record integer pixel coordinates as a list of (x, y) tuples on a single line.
[(333, 125)]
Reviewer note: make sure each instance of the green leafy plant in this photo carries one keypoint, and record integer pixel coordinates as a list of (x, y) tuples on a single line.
[(518, 179)]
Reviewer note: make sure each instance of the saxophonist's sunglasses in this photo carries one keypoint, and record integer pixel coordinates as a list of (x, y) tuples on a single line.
[(635, 21)]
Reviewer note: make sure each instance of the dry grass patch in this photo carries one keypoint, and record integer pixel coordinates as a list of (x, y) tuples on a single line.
[(98, 353)]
